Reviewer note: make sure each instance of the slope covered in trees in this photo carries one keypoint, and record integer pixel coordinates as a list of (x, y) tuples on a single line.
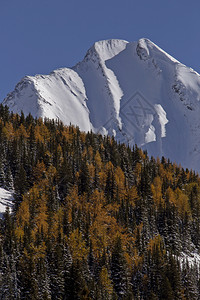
[(93, 219)]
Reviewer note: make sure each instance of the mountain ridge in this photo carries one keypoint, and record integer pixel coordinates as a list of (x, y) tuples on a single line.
[(132, 90)]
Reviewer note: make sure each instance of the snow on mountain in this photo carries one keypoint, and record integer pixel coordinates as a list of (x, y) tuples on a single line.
[(193, 258), (6, 200), (60, 95), (134, 91)]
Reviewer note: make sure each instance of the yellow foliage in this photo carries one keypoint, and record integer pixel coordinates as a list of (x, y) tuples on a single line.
[(56, 229), (137, 171), (141, 154), (109, 167), (72, 198), (170, 196), (161, 170), (156, 189), (36, 252), (169, 175), (179, 200), (158, 161), (22, 131), (67, 134), (60, 154), (102, 179), (103, 232), (51, 173), (98, 162), (41, 132), (90, 153), (34, 196), (166, 173), (131, 196), (22, 218), (83, 203), (39, 172), (77, 246), (40, 219), (8, 131), (102, 147), (40, 251), (120, 183), (106, 284), (137, 259), (96, 201), (84, 154), (156, 246), (19, 232), (91, 169), (82, 136), (113, 208), (97, 197), (23, 214), (182, 202)]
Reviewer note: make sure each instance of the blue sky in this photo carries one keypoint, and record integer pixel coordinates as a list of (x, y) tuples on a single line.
[(39, 36)]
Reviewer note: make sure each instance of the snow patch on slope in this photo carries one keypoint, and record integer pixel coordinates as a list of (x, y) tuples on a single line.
[(193, 259), (6, 200), (150, 136), (162, 118)]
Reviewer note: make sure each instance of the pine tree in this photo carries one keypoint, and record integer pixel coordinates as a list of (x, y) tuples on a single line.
[(9, 185), (190, 281), (27, 271), (118, 269), (20, 186), (57, 280), (166, 292), (78, 285), (84, 183), (2, 176)]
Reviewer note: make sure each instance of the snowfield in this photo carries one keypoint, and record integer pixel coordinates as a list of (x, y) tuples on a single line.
[(134, 91)]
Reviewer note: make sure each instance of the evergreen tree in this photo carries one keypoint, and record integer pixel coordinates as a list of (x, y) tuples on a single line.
[(118, 270), (84, 178), (9, 185), (2, 176)]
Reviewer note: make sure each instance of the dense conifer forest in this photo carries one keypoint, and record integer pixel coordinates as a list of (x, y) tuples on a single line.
[(93, 219)]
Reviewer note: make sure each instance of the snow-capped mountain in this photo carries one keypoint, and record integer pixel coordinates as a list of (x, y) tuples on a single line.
[(134, 91)]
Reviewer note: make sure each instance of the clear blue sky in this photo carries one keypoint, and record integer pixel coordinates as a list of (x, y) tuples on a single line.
[(39, 36)]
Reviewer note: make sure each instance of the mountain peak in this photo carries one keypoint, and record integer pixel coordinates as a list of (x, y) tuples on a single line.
[(152, 50), (132, 90), (105, 49)]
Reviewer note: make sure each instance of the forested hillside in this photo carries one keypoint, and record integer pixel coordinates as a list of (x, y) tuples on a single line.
[(93, 219)]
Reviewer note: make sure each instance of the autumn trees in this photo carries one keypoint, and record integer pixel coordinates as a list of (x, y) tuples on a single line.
[(93, 219)]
